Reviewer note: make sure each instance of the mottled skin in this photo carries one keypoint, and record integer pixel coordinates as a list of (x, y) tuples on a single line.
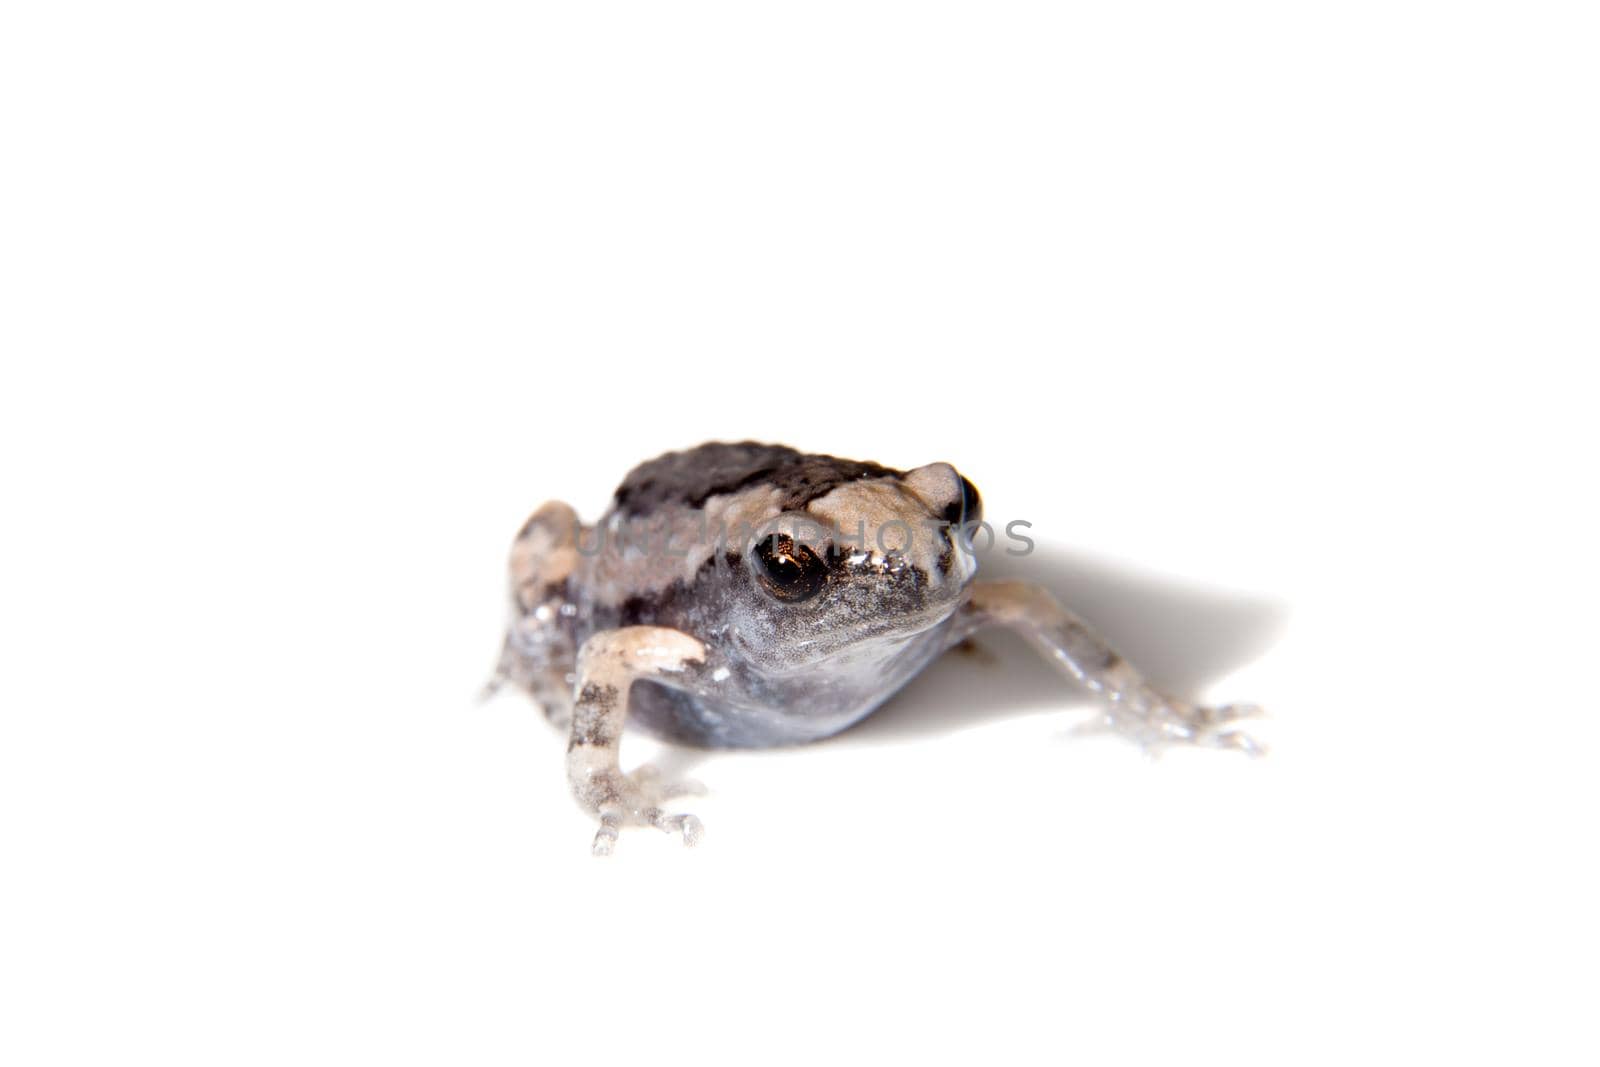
[(752, 595)]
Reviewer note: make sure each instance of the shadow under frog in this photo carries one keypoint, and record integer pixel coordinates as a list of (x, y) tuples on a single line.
[(1183, 636)]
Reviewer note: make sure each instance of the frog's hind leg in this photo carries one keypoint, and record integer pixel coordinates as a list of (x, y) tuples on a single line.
[(608, 665), (1131, 704), (539, 652)]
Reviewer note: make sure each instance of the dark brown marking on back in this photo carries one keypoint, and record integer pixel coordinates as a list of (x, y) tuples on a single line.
[(692, 477)]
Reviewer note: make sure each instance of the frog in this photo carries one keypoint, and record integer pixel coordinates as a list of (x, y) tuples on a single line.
[(749, 595)]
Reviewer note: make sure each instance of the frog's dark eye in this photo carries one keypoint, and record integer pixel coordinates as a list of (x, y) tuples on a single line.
[(967, 509), (787, 570)]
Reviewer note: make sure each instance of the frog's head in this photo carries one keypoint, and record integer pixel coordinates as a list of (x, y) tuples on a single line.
[(854, 577)]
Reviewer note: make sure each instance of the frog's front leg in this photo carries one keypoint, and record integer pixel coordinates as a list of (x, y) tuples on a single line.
[(1132, 705), (608, 665)]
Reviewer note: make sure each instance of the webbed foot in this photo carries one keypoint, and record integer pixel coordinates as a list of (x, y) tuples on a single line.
[(635, 799)]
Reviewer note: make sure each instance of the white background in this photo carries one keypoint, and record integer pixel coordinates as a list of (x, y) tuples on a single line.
[(1273, 319)]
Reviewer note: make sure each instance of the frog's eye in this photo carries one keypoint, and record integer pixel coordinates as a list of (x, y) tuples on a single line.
[(967, 509), (787, 570)]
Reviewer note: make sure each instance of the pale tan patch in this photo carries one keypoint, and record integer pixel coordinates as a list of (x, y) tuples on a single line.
[(888, 514), (546, 551), (936, 484), (617, 657), (643, 555)]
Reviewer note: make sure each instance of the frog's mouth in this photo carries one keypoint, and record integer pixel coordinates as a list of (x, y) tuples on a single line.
[(868, 645), (901, 628)]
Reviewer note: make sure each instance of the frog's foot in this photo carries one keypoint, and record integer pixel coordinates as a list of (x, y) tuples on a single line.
[(635, 799), (1156, 722), (608, 665), (1132, 706)]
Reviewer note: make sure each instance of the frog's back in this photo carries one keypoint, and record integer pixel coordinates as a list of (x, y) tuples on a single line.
[(688, 479), (650, 559)]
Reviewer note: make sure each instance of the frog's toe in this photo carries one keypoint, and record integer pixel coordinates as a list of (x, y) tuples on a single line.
[(1228, 713), (635, 799), (1239, 740), (1156, 725), (611, 823), (605, 838), (1218, 728), (687, 825), (651, 790)]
